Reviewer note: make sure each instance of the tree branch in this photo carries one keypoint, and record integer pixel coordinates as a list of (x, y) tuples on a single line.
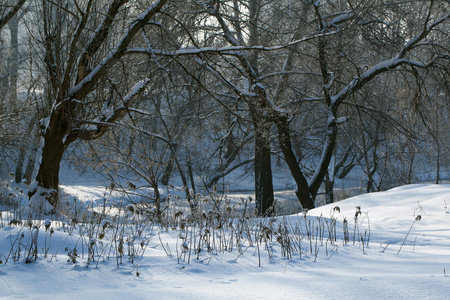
[(85, 86), (108, 115), (11, 13), (390, 64)]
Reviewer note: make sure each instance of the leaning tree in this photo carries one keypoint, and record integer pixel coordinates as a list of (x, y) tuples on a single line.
[(82, 44)]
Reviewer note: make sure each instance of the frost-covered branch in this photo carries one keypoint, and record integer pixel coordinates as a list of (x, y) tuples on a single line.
[(97, 38), (85, 86), (341, 18), (229, 50), (109, 115), (424, 33), (390, 64)]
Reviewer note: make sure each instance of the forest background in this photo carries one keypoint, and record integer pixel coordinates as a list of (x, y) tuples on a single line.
[(200, 94)]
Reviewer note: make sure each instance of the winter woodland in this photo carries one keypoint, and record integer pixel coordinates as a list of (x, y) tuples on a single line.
[(188, 112)]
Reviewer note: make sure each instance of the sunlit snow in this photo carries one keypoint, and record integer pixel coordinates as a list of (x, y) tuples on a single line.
[(372, 269)]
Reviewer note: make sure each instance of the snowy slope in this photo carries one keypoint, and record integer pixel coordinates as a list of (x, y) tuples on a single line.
[(345, 271)]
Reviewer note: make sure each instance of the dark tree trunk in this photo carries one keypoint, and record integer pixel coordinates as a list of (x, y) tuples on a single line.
[(327, 154), (263, 178), (306, 192), (168, 170), (191, 175), (263, 165), (19, 166), (329, 189), (52, 153), (154, 185), (438, 164), (284, 138), (169, 167)]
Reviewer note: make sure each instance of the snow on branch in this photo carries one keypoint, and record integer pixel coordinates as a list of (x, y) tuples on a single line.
[(136, 91), (97, 127), (344, 17), (390, 64), (230, 50), (111, 114), (358, 82), (415, 41), (88, 82)]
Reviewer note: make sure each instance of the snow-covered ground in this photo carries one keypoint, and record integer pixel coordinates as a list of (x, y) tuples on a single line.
[(373, 268)]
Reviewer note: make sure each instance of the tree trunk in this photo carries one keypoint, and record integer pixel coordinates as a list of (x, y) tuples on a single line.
[(168, 169), (327, 155), (29, 169), (263, 178), (19, 166), (438, 164), (284, 138), (14, 61), (154, 185), (52, 153), (191, 175), (21, 158), (329, 188), (263, 165)]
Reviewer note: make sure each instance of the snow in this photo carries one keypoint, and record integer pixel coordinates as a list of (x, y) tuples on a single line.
[(44, 123), (387, 65), (136, 90), (347, 271), (235, 50), (338, 20), (38, 201), (107, 112)]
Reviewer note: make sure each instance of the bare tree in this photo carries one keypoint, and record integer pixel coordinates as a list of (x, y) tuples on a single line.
[(76, 65), (282, 74), (316, 51)]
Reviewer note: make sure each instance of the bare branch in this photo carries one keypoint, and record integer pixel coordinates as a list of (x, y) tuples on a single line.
[(230, 50), (88, 82), (390, 64), (11, 13), (109, 115), (98, 38)]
